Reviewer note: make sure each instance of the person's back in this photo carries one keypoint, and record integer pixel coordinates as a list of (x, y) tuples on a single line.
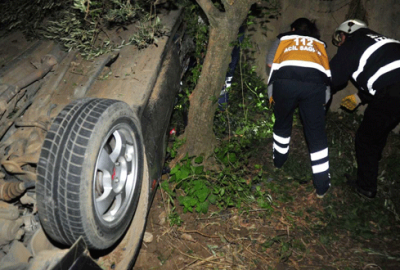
[(300, 57)]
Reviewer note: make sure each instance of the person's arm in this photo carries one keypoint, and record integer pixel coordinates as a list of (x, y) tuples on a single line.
[(364, 96), (340, 78), (272, 51), (339, 72)]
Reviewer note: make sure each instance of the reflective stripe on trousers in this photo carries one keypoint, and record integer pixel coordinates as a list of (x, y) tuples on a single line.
[(280, 149), (319, 162)]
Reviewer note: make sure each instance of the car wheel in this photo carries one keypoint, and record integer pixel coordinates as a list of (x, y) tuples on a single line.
[(90, 173)]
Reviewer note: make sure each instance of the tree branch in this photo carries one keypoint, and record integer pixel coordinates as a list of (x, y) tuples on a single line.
[(209, 9), (229, 3), (235, 6)]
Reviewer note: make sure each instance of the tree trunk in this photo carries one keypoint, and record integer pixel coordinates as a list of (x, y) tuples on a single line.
[(224, 28), (200, 138)]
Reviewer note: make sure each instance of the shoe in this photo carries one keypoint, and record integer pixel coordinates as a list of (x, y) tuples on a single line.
[(366, 193), (320, 196)]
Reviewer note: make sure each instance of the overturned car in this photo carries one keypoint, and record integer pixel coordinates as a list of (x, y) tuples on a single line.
[(82, 149)]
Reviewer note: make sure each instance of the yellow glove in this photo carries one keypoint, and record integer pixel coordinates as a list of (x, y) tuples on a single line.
[(271, 100), (350, 102)]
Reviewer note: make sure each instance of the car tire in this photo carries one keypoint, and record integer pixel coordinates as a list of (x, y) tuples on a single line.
[(90, 173)]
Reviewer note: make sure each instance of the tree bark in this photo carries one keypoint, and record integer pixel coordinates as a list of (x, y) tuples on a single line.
[(224, 28)]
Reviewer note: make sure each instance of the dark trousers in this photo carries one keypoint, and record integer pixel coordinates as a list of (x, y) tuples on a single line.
[(380, 117), (310, 98)]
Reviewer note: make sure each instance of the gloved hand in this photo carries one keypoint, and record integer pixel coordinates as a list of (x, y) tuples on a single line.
[(271, 100), (350, 102)]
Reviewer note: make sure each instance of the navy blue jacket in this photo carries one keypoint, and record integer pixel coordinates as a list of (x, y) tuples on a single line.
[(370, 60)]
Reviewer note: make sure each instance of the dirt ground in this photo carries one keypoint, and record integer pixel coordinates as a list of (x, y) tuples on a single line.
[(256, 240), (292, 235), (341, 231)]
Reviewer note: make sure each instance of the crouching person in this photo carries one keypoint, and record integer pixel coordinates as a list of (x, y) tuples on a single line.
[(300, 77), (372, 62)]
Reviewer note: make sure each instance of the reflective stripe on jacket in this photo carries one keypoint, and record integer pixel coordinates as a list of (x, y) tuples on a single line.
[(370, 59)]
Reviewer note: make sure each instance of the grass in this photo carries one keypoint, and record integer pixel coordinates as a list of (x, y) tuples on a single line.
[(342, 231)]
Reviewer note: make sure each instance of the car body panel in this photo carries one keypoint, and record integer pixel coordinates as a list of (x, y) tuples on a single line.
[(38, 80)]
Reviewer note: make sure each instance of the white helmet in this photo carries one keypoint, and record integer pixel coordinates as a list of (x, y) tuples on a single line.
[(347, 27)]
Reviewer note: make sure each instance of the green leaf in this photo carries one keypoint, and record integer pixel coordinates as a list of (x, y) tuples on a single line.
[(175, 169), (198, 160), (232, 157), (183, 173), (202, 194), (193, 201), (165, 186), (198, 170), (198, 184), (203, 207), (181, 200), (212, 198)]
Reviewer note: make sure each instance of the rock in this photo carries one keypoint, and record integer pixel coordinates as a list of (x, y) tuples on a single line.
[(148, 237), (188, 237), (162, 218)]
